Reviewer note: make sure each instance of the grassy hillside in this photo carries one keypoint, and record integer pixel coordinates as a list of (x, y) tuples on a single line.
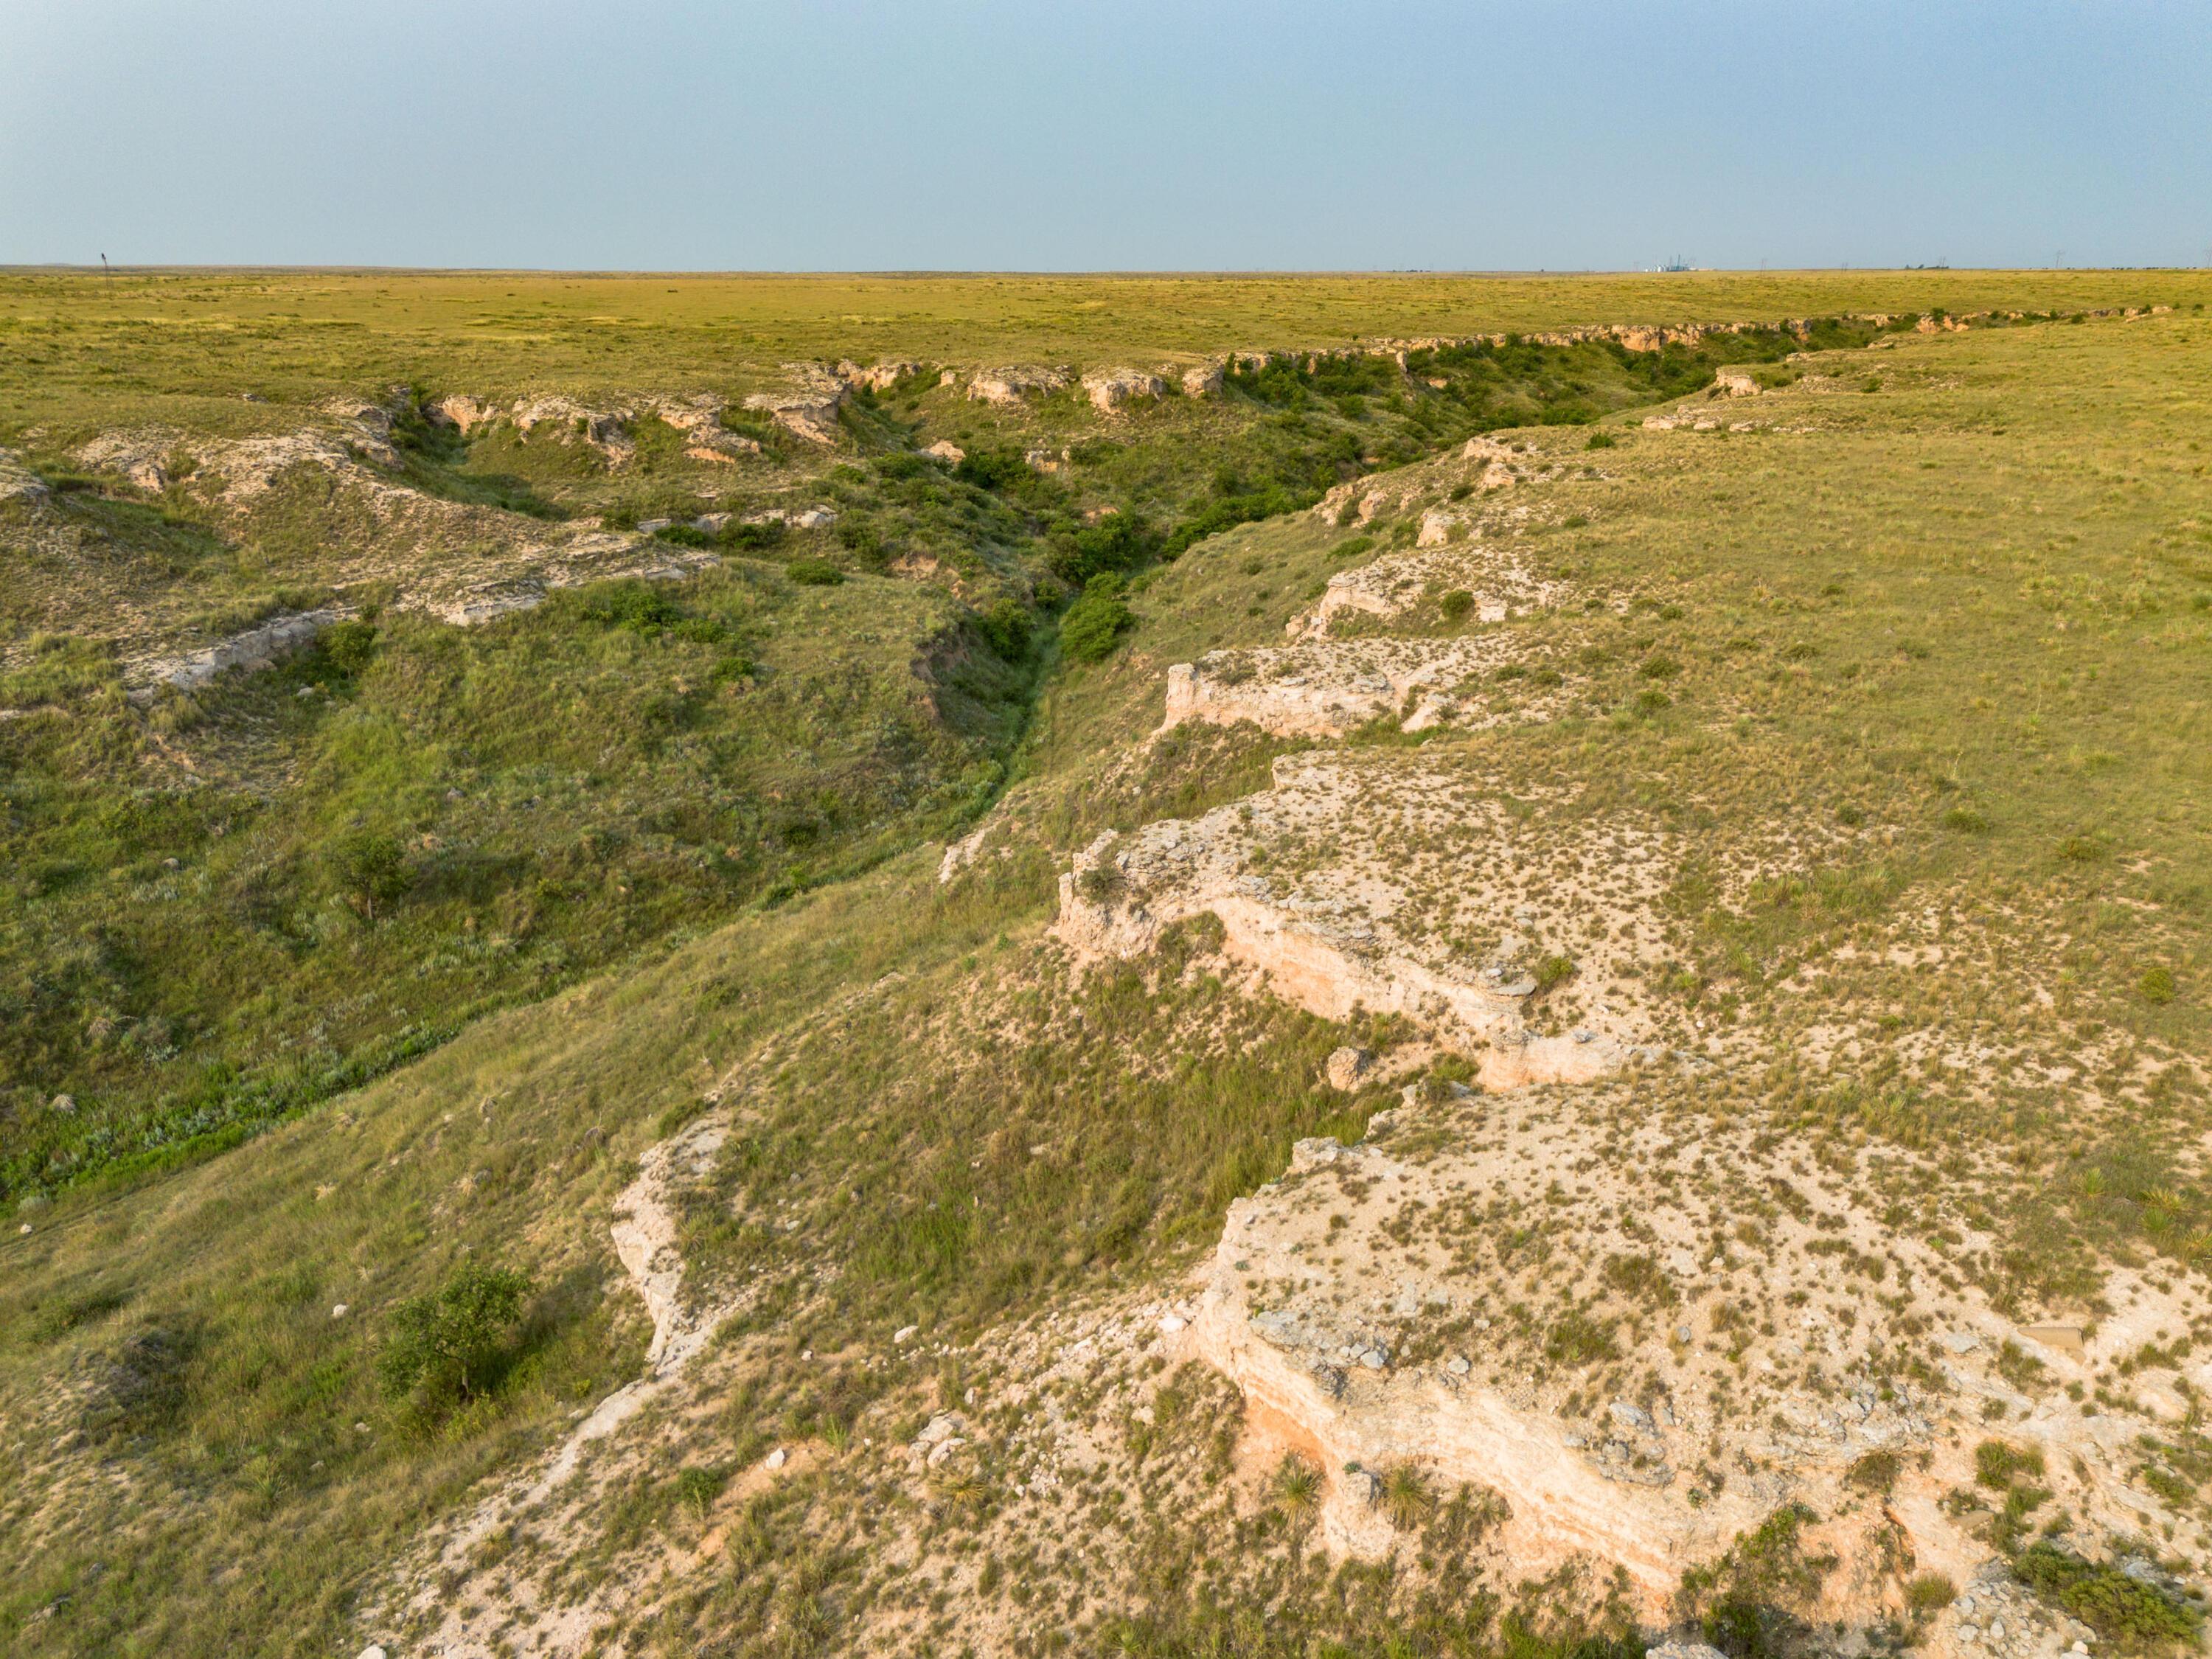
[(412, 822), (1943, 610)]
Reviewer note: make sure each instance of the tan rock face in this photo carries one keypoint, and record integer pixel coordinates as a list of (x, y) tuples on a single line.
[(458, 409), (1347, 1065), (1203, 381), (606, 430), (1363, 926), (1009, 386), (877, 377), (1326, 689), (809, 408), (256, 648), (1499, 585), (1112, 390), (1379, 1307)]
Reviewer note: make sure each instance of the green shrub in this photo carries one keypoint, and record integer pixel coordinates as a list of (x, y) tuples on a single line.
[(683, 535), (452, 1346), (1102, 882), (369, 868), (995, 469), (1094, 624), (1600, 441), (2156, 986), (1929, 1591), (1659, 667), (641, 606), (1553, 970), (753, 537), (699, 1485), (1577, 1338), (1640, 1279), (1457, 604), (1006, 629), (1876, 1472), (1966, 820), (1745, 1601), (350, 645), (2122, 1610), (1116, 544), (1996, 1463), (814, 573)]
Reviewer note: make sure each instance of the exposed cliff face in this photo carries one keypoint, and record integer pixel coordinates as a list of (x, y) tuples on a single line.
[(810, 407), (1497, 582), (1536, 1284), (1358, 920), (387, 534), (1010, 386), (1380, 1307), (1308, 689), (1112, 390)]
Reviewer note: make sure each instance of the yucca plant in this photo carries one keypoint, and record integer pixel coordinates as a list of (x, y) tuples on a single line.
[(1297, 1485), (1406, 1499)]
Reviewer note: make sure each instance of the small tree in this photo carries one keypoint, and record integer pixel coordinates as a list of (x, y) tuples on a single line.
[(447, 1347), (370, 868), (1094, 623)]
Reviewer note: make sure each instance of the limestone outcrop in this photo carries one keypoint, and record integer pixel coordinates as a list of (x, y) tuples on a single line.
[(254, 648), (877, 377), (1112, 390), (1497, 583), (1205, 380), (1008, 387), (809, 408), (17, 482), (1367, 1342), (1360, 924), (606, 430)]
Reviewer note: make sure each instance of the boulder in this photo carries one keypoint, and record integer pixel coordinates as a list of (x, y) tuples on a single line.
[(1347, 1065), (1009, 386), (809, 408), (876, 376), (947, 451), (1203, 381), (1112, 390)]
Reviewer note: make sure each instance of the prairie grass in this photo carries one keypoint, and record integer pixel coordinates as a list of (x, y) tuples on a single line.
[(1864, 646)]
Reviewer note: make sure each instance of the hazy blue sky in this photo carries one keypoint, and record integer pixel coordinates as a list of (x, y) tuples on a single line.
[(1060, 134)]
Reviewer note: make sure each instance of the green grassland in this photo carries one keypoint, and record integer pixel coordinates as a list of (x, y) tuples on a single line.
[(555, 791), (1962, 603), (77, 339)]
